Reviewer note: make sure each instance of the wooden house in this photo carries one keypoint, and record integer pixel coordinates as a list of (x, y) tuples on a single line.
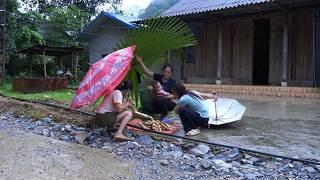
[(252, 42)]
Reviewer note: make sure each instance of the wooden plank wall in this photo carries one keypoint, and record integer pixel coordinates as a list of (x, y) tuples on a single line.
[(300, 70), (238, 36), (242, 52), (204, 70), (275, 62)]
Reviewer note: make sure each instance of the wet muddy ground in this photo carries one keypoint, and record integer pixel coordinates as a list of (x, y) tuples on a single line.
[(285, 126)]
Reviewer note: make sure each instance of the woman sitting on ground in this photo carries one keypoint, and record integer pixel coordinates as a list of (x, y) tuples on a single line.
[(192, 109), (160, 105), (113, 110)]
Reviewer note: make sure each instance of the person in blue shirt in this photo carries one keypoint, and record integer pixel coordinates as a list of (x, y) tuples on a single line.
[(192, 109)]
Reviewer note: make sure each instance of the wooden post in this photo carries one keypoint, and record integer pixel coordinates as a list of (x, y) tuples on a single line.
[(44, 63), (30, 60), (285, 52), (219, 60)]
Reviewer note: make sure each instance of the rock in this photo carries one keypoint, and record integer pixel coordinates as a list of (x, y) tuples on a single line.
[(68, 127), (132, 145), (253, 176), (209, 155), (200, 150), (81, 136), (38, 123), (236, 164), (165, 144), (310, 170), (164, 162), (66, 138), (174, 152), (206, 164), (231, 155), (222, 164), (57, 127), (318, 168), (79, 128), (51, 116), (144, 140), (45, 132)]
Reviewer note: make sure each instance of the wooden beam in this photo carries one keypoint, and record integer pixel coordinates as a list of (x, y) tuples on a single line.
[(219, 60), (285, 52), (77, 64), (44, 64)]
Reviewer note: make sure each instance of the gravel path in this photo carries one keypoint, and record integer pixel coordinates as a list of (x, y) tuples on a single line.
[(90, 153)]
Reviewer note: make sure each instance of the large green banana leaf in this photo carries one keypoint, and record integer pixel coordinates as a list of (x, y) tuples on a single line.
[(153, 38)]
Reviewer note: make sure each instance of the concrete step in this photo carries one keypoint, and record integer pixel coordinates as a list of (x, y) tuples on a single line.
[(305, 92)]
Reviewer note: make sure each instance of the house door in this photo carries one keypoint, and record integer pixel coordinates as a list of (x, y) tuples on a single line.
[(261, 52)]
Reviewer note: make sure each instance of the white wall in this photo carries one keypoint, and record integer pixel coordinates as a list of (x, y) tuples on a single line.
[(103, 40)]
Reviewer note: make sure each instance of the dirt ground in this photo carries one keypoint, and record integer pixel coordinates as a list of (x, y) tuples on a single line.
[(36, 111)]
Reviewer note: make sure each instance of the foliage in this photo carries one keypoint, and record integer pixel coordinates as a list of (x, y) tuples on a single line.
[(153, 38), (86, 5), (63, 25)]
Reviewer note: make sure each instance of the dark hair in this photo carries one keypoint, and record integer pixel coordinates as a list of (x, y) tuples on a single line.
[(181, 90), (167, 66), (154, 83), (125, 85)]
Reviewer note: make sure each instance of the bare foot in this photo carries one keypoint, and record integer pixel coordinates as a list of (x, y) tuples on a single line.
[(121, 138)]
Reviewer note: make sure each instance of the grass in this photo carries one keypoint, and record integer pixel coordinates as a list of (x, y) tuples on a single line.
[(63, 96)]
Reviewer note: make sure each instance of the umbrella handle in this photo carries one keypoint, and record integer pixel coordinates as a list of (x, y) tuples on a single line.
[(215, 106)]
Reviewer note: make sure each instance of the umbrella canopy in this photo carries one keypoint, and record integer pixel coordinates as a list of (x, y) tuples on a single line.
[(224, 111), (103, 77)]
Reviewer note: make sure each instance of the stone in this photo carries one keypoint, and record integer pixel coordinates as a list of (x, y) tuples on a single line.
[(144, 140), (165, 144), (164, 162), (236, 164), (79, 128), (310, 169), (66, 138), (81, 136), (68, 127), (57, 127), (45, 132), (38, 123), (222, 164), (206, 164), (231, 155), (132, 145), (209, 155), (200, 150)]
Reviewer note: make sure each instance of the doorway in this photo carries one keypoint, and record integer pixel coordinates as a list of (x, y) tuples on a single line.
[(261, 52)]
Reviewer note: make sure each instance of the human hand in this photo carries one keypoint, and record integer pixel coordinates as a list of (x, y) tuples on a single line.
[(214, 97), (139, 58)]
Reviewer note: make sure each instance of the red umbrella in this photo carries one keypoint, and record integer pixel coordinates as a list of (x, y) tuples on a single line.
[(103, 77)]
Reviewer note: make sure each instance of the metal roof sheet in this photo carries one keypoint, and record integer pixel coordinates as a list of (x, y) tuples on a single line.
[(184, 7)]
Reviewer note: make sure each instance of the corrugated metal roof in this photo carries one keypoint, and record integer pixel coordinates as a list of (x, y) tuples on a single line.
[(126, 20), (184, 7)]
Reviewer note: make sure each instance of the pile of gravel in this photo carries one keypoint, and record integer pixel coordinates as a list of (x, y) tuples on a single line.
[(167, 160)]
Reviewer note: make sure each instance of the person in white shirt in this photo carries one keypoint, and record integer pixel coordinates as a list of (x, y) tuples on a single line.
[(113, 110)]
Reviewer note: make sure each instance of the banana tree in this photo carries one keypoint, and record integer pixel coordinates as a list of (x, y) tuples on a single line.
[(153, 38)]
